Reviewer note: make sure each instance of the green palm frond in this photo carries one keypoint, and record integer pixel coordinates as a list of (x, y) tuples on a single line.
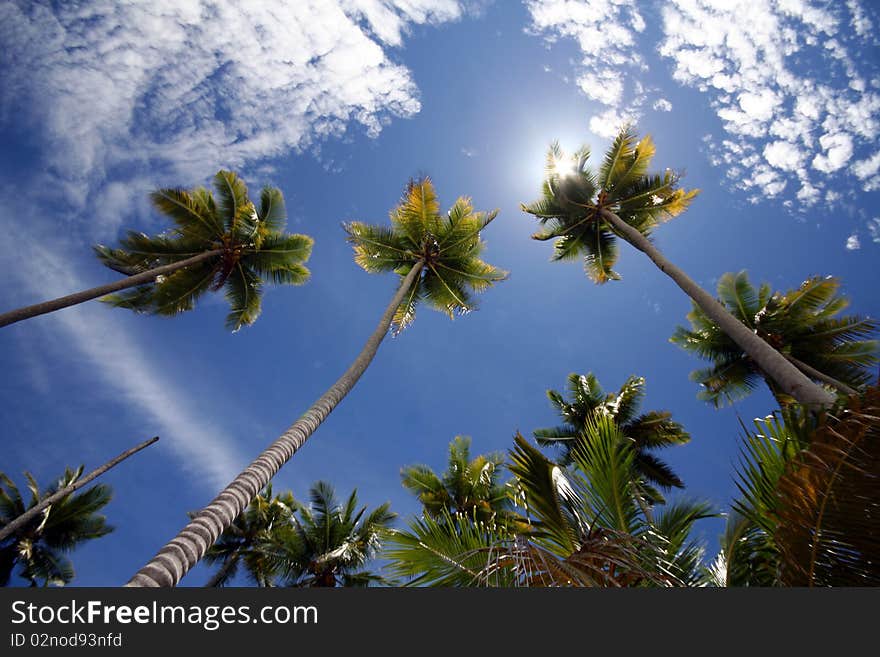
[(447, 248), (802, 324), (194, 214), (39, 547), (573, 200), (248, 244)]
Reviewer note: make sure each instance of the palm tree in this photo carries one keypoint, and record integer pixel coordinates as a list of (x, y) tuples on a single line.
[(326, 543), (648, 431), (584, 212), (470, 487), (802, 324), (437, 258), (808, 514), (584, 528), (39, 547), (225, 243), (243, 543)]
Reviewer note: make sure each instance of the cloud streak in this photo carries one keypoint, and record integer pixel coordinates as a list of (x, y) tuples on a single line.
[(169, 90)]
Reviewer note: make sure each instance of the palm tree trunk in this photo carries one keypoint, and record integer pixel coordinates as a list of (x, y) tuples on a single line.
[(148, 276), (791, 380), (184, 551), (819, 376), (31, 513)]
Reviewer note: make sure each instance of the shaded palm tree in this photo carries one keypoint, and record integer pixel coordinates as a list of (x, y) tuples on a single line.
[(39, 548), (647, 431), (808, 514), (327, 544), (585, 211), (437, 258), (243, 543), (468, 486), (227, 242), (804, 325)]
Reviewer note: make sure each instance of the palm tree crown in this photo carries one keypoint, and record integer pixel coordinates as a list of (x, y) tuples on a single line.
[(246, 242), (574, 198), (40, 546), (327, 543), (646, 431), (446, 248), (468, 486), (803, 324)]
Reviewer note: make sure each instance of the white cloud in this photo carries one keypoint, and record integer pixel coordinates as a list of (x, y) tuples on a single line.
[(608, 123), (838, 149), (868, 167), (175, 89), (608, 33), (784, 155), (874, 229), (778, 69), (662, 105), (852, 243)]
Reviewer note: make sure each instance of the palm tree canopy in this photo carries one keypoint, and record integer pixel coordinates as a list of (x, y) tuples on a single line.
[(40, 546), (241, 544), (574, 197), (803, 323), (448, 246), (647, 431), (250, 243), (468, 486), (327, 543), (808, 496)]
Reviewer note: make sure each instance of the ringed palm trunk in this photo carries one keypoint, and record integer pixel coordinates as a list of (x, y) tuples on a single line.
[(185, 550), (27, 312), (788, 377)]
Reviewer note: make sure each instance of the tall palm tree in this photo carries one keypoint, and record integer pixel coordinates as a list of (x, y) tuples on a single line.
[(469, 486), (647, 431), (802, 324), (242, 544), (437, 258), (585, 211), (227, 242), (326, 543), (40, 546)]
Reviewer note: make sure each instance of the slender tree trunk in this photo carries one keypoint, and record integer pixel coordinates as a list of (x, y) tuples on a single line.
[(186, 549), (86, 295), (221, 574), (790, 379), (33, 512), (819, 376)]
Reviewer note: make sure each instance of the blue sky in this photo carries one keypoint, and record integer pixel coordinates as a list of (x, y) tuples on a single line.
[(771, 108)]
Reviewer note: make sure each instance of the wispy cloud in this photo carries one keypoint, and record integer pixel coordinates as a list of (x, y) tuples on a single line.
[(853, 243), (795, 105), (40, 270), (172, 89), (125, 97)]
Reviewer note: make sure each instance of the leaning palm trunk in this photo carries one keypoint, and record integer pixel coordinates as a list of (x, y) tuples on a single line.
[(148, 276), (791, 380), (19, 522), (813, 373), (186, 549)]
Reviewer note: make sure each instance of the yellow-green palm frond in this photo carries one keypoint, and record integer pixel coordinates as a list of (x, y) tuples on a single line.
[(447, 247), (245, 246)]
